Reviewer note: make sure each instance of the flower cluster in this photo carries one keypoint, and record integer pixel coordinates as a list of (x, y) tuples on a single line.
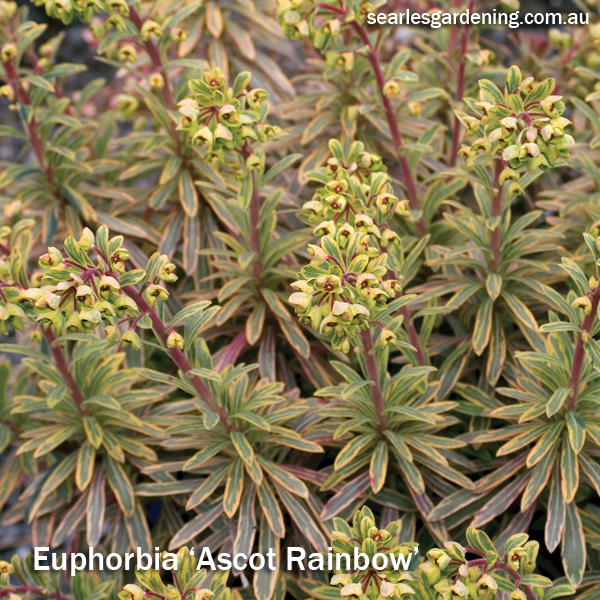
[(301, 18), (453, 576), (357, 197), (67, 10), (365, 536), (77, 295), (223, 118), (7, 10), (188, 581), (342, 288), (524, 125)]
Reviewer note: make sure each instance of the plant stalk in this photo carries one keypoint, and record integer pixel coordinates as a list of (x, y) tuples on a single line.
[(503, 567), (496, 234), (410, 328), (155, 58), (415, 342), (460, 87), (63, 369), (157, 63), (409, 180), (579, 353), (177, 356), (34, 591), (373, 374), (36, 142)]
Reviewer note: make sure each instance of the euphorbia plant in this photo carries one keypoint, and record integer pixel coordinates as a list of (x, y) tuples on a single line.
[(408, 310)]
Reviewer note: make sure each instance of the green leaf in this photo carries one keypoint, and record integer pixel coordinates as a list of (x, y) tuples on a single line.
[(255, 322), (95, 508), (204, 455), (558, 326), (558, 591), (93, 431), (234, 487), (353, 448), (86, 458), (265, 579), (490, 92), (60, 472), (282, 477), (569, 466), (521, 312), (208, 486), (536, 580), (576, 430), (278, 167), (411, 414), (493, 285), (555, 519), (242, 446), (592, 470), (379, 466), (557, 401), (270, 508), (483, 327), (188, 194), (189, 311), (346, 495), (197, 525), (120, 485), (573, 550), (304, 521), (132, 277), (138, 531)]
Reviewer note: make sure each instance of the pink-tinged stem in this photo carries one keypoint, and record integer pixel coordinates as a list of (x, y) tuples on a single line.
[(496, 234), (155, 58), (413, 336), (23, 98), (579, 354), (157, 63), (409, 181), (503, 567), (63, 369), (373, 375), (177, 356), (35, 591), (565, 61), (410, 328), (460, 87)]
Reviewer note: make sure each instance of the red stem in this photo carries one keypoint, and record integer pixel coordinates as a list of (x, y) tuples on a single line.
[(157, 63), (460, 87), (410, 328), (63, 368), (23, 97), (565, 60), (409, 180), (413, 336), (36, 591), (177, 356), (579, 354), (496, 234), (373, 375), (155, 58), (503, 567)]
